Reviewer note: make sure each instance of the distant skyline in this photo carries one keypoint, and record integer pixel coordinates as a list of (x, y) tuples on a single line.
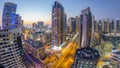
[(33, 11)]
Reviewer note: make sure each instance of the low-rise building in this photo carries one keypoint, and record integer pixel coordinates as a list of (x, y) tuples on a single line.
[(40, 36), (86, 58), (35, 48)]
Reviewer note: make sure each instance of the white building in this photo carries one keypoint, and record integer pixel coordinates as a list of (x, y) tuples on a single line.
[(11, 55)]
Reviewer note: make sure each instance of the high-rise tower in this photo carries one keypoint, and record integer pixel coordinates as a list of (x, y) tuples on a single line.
[(86, 20), (10, 18), (106, 25), (95, 26), (100, 26), (11, 51), (117, 25), (72, 25), (111, 26), (86, 56), (77, 23), (58, 32)]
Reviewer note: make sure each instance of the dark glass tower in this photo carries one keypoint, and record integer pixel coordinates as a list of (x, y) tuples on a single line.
[(9, 16), (86, 56), (117, 25), (111, 26), (100, 26), (58, 23), (95, 26), (87, 27), (72, 25)]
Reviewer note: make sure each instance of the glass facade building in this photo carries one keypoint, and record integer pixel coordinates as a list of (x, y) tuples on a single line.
[(72, 25), (9, 18), (100, 26), (86, 20), (117, 25), (58, 32), (86, 58)]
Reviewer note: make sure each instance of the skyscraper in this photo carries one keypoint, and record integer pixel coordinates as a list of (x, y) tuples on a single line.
[(103, 25), (58, 33), (11, 51), (17, 21), (86, 57), (34, 27), (106, 25), (118, 25), (77, 23), (9, 16), (65, 24), (100, 26), (79, 31), (95, 26), (111, 26), (40, 26), (86, 20), (72, 25)]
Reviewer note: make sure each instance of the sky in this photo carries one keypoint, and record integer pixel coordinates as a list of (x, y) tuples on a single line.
[(33, 11)]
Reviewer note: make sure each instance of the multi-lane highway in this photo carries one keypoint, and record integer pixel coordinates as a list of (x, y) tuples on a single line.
[(67, 52)]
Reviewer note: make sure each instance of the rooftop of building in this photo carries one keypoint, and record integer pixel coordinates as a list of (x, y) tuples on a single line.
[(10, 3), (35, 44), (87, 53), (57, 5), (40, 32), (117, 53), (116, 34), (86, 10)]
